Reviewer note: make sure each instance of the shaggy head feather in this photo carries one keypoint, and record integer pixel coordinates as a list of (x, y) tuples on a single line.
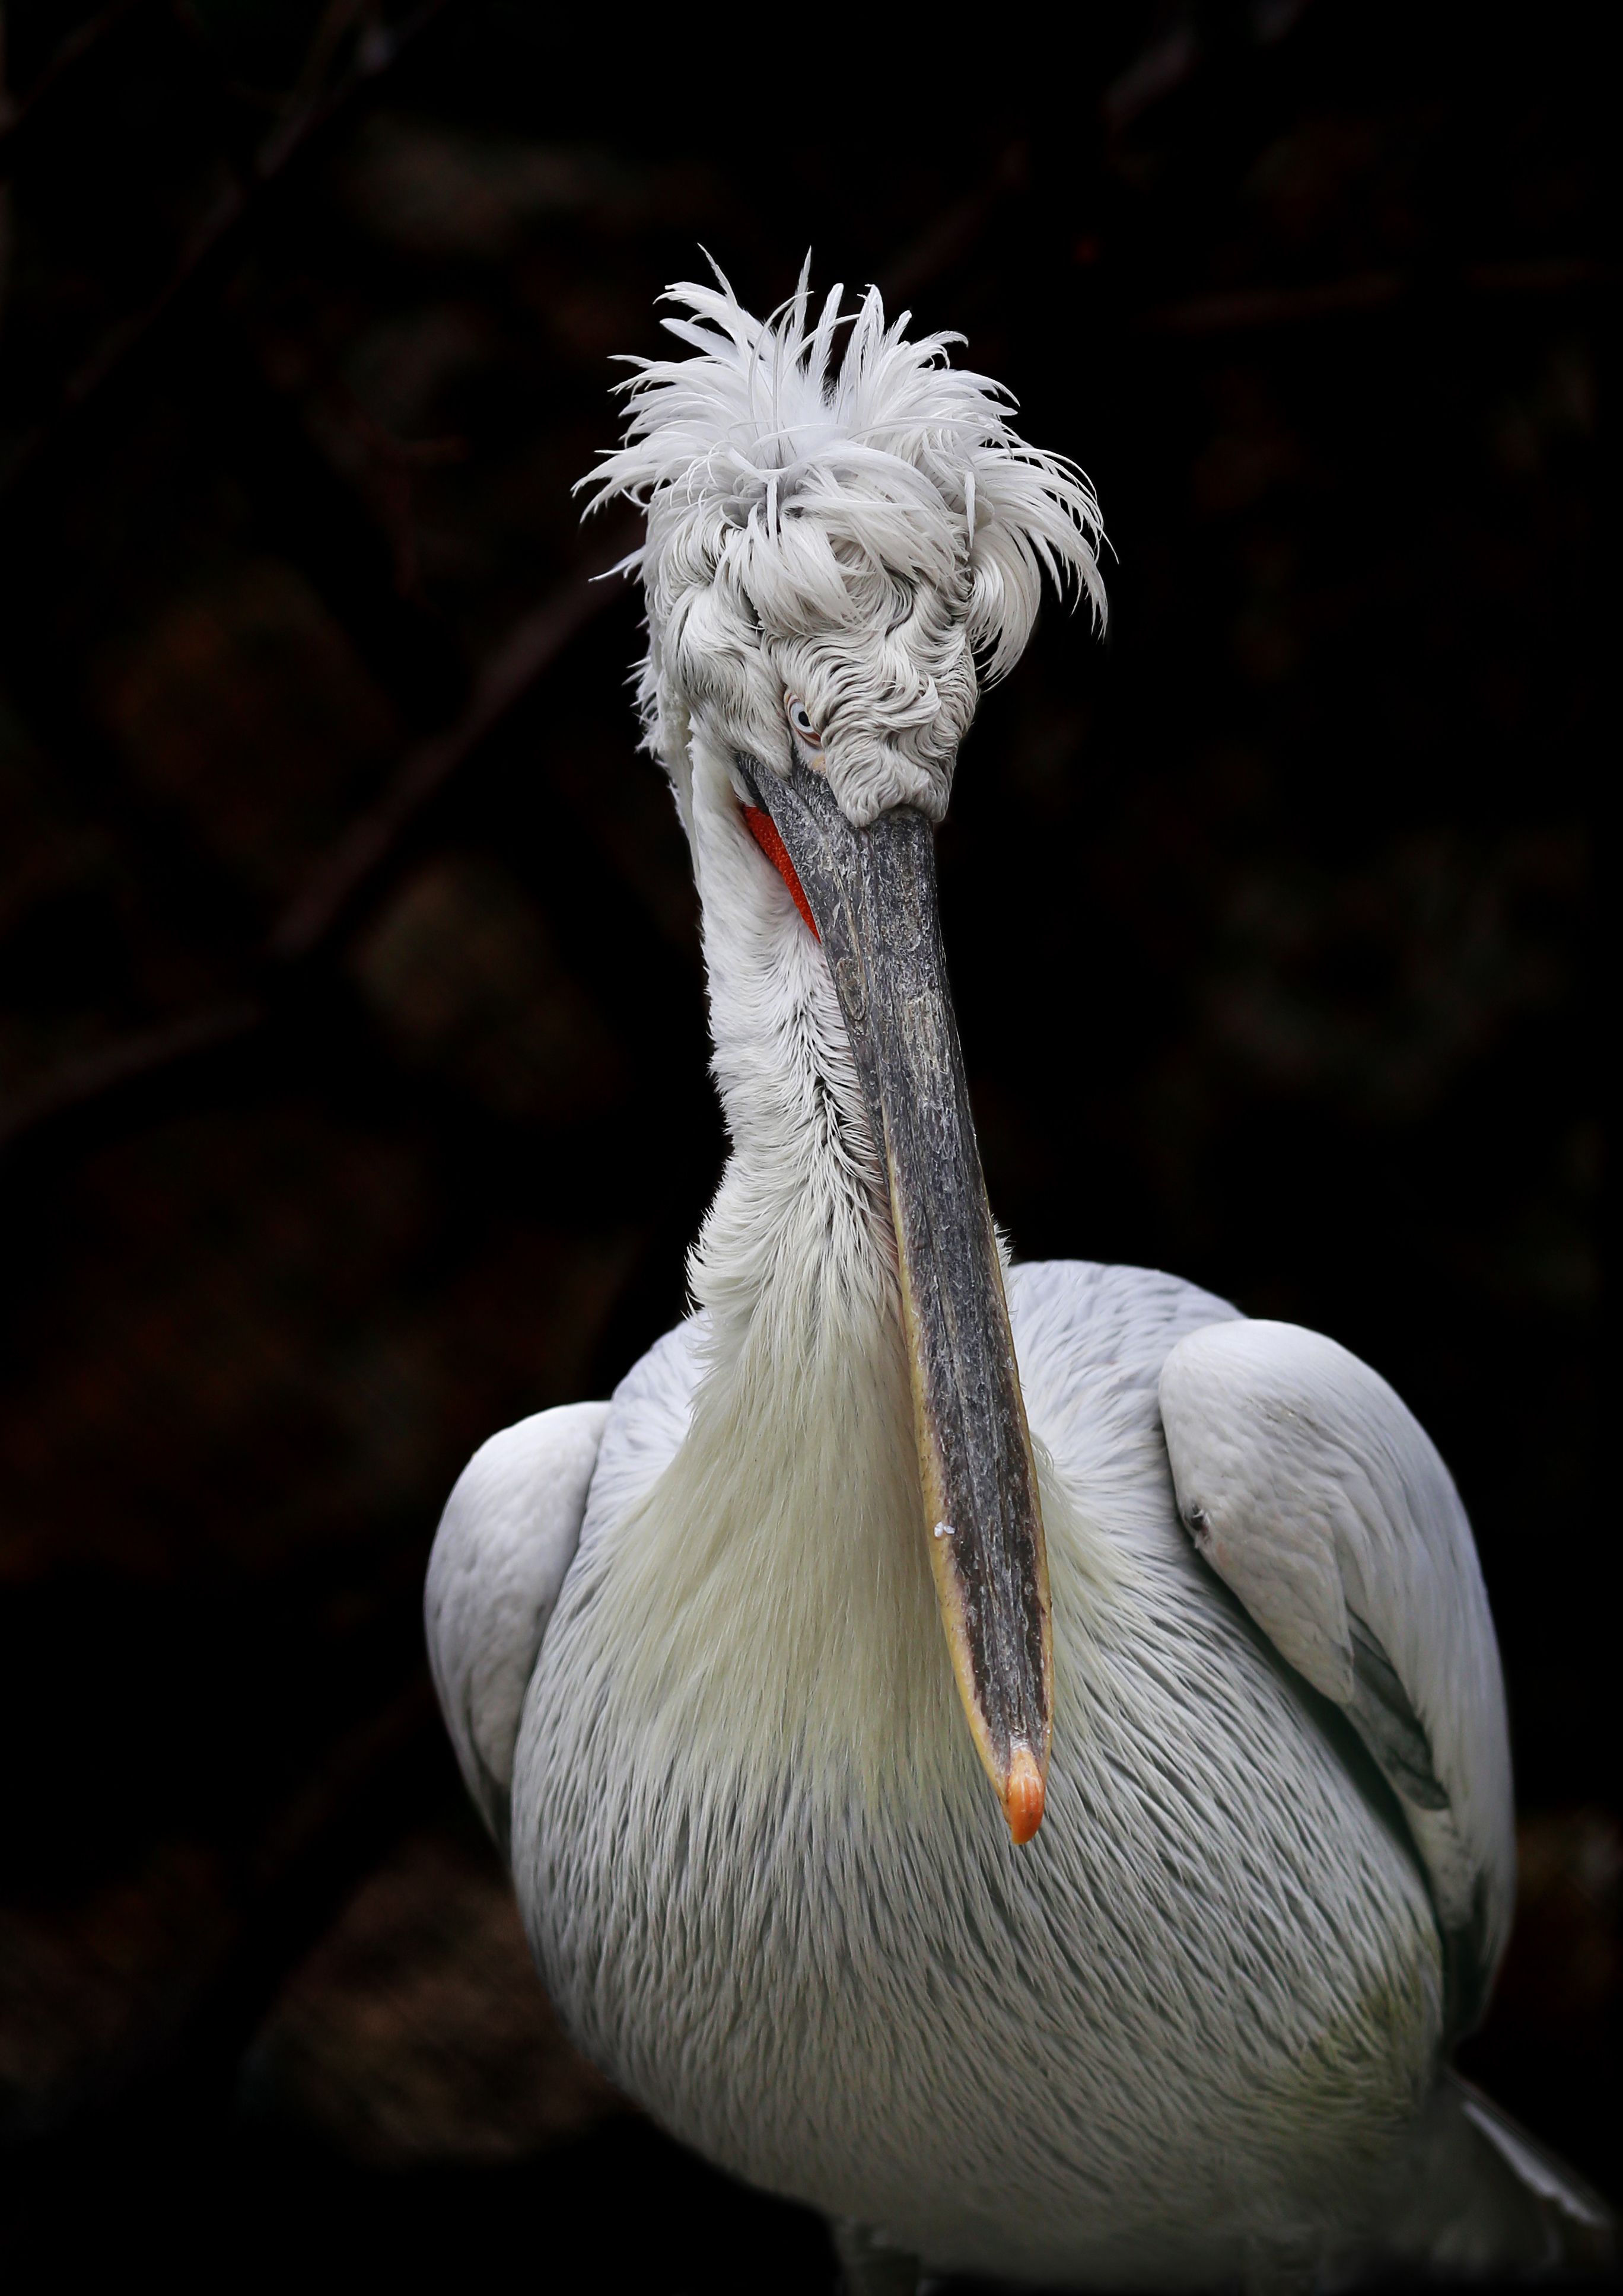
[(866, 531)]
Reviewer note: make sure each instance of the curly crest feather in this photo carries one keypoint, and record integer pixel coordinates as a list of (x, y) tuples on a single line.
[(868, 530)]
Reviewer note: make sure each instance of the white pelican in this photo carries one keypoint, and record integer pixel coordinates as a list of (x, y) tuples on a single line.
[(1172, 2003)]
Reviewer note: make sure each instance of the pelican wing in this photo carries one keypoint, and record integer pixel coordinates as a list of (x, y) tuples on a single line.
[(1321, 1502), (507, 1536)]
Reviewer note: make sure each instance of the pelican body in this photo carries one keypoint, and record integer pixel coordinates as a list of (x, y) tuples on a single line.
[(1013, 1755)]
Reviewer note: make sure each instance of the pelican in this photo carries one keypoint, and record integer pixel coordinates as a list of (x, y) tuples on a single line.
[(1014, 1756)]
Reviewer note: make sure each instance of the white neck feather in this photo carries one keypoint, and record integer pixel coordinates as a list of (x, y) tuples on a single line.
[(797, 1248), (786, 1538)]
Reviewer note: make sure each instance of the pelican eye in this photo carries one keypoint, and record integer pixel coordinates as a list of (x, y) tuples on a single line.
[(799, 718), (1196, 1518)]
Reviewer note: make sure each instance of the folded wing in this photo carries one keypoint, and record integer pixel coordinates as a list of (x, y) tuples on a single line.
[(507, 1536), (1321, 1502)]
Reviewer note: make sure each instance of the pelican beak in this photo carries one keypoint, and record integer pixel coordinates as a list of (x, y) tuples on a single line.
[(872, 893)]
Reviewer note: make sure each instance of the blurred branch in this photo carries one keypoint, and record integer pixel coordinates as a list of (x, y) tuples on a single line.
[(1158, 71), (129, 1061), (337, 887), (289, 1884), (18, 119), (954, 234), (214, 240), (339, 884), (339, 18), (345, 519), (385, 481), (1252, 309), (1185, 42)]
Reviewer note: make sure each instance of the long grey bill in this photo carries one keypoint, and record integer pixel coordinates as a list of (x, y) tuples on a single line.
[(872, 892)]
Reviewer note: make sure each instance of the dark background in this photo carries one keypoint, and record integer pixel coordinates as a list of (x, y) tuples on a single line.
[(351, 1026)]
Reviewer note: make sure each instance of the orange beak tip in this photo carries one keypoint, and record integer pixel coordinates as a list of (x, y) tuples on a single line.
[(1024, 1796)]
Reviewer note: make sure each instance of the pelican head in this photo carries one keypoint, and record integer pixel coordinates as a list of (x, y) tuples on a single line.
[(846, 539)]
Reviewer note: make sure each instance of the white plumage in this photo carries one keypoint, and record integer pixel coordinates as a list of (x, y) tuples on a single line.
[(688, 1643), (870, 531), (508, 1534), (1317, 1497)]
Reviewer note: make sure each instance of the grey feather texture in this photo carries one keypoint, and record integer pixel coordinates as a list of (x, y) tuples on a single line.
[(1317, 1496), (1191, 2035), (1200, 2011), (506, 1537), (1385, 1718)]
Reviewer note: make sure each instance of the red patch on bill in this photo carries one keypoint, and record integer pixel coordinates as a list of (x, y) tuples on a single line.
[(765, 831)]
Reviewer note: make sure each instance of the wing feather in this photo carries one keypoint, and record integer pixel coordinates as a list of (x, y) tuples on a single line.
[(506, 1540), (1321, 1502)]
